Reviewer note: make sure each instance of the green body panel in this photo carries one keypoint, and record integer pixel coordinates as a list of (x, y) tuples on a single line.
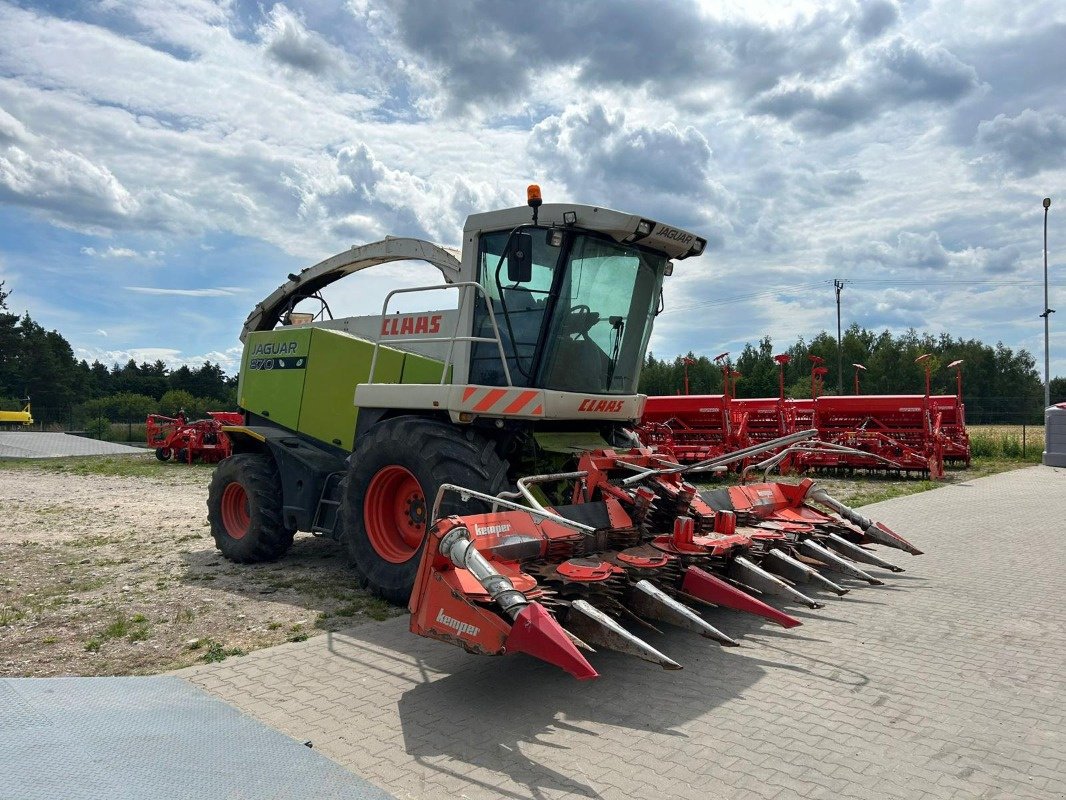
[(304, 378), (273, 369), (419, 369), (340, 361)]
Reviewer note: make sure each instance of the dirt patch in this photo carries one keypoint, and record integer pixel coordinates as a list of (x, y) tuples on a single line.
[(116, 574)]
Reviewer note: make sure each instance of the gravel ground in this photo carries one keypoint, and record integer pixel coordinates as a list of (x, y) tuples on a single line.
[(114, 575)]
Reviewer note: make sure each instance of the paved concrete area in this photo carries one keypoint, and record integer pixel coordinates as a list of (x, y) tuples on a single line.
[(147, 738), (946, 683), (28, 444)]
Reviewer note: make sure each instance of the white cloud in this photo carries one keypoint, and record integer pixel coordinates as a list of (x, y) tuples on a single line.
[(289, 42), (229, 360), (223, 291), (121, 252), (226, 144)]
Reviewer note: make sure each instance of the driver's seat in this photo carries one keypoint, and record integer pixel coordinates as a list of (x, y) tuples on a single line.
[(579, 366)]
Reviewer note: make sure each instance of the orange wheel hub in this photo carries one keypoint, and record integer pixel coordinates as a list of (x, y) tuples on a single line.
[(394, 514), (236, 517)]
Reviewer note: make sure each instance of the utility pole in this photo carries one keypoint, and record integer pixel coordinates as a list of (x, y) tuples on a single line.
[(838, 285), (1047, 316)]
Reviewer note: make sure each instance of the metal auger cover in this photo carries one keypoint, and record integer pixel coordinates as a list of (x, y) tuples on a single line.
[(626, 556)]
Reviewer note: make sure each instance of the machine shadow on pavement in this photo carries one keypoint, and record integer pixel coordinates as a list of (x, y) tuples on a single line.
[(460, 711)]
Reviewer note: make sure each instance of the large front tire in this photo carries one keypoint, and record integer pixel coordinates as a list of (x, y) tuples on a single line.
[(388, 494), (244, 505)]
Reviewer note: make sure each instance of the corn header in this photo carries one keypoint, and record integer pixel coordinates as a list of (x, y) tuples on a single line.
[(635, 546)]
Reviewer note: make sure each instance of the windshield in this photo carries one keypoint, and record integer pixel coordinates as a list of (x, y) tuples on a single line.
[(602, 302)]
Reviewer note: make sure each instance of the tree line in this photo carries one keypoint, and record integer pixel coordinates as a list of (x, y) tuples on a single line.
[(41, 365), (999, 384)]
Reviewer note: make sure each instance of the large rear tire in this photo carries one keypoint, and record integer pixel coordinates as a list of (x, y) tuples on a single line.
[(388, 494), (244, 505)]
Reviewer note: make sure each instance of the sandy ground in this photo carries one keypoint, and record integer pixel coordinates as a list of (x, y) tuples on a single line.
[(104, 575)]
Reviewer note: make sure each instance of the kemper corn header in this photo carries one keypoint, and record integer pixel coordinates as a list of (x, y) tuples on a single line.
[(478, 461), (635, 544)]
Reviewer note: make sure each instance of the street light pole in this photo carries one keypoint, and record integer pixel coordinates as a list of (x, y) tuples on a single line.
[(838, 285), (1047, 316)]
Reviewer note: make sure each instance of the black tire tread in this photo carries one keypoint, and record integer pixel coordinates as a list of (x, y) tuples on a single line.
[(453, 454), (268, 539)]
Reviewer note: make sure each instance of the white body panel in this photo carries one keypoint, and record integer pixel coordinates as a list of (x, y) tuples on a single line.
[(500, 402)]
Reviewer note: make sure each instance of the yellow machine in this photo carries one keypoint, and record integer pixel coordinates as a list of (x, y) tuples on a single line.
[(23, 417)]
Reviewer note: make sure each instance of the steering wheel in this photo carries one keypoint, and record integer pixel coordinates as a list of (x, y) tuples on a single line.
[(581, 319)]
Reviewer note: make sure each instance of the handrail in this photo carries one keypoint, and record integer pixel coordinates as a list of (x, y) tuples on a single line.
[(455, 337)]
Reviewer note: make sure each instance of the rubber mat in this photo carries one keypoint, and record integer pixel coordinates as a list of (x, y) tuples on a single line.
[(149, 738)]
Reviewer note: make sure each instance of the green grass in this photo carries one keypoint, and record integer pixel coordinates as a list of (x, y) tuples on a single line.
[(1004, 445), (132, 465), (217, 652), (373, 607), (10, 614), (135, 629)]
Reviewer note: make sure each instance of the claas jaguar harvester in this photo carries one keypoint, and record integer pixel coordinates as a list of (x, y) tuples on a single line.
[(478, 461)]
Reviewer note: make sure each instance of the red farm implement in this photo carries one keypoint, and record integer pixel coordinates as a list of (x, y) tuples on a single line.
[(909, 433), (693, 427), (952, 422), (699, 426), (634, 543), (905, 433), (202, 439), (894, 432)]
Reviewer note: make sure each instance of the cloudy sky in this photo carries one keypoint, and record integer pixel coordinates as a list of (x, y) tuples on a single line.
[(165, 163)]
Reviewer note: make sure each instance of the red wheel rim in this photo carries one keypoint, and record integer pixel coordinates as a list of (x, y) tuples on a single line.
[(394, 514), (236, 518)]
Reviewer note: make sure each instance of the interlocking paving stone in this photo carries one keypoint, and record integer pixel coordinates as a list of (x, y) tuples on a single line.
[(148, 738), (945, 683)]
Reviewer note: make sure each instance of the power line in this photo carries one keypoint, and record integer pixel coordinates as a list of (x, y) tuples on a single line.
[(725, 301)]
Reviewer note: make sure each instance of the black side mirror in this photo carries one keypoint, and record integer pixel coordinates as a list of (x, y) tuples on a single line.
[(520, 259)]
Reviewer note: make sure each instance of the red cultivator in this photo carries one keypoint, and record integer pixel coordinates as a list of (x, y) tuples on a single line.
[(896, 432), (203, 439), (635, 544), (905, 433)]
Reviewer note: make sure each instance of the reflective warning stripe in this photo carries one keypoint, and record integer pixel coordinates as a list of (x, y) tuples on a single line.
[(520, 402), (489, 400), (492, 400)]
